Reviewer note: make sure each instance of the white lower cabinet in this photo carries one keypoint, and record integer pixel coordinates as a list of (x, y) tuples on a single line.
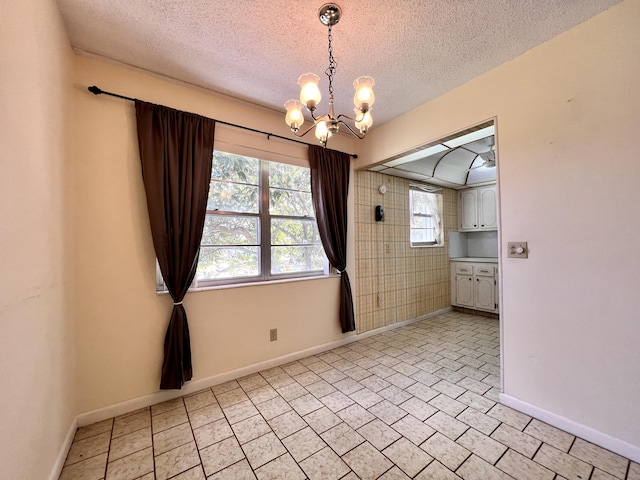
[(464, 291), (474, 285)]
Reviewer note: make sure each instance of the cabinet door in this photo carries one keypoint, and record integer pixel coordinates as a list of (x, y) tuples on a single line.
[(468, 209), (487, 208), (485, 293), (464, 291)]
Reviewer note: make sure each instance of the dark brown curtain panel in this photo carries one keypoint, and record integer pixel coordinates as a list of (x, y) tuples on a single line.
[(329, 190), (176, 151)]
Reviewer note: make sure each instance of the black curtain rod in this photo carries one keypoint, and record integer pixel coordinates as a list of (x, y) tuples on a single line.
[(97, 91)]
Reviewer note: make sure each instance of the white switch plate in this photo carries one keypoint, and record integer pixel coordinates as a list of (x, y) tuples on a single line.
[(517, 250)]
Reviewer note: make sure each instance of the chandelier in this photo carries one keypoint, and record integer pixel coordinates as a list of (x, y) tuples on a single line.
[(328, 124)]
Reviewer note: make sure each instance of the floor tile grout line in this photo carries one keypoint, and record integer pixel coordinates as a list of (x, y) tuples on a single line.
[(106, 463), (495, 464), (193, 434)]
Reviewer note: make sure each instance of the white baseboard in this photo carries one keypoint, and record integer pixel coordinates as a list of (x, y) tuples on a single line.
[(197, 385), (64, 451), (603, 440)]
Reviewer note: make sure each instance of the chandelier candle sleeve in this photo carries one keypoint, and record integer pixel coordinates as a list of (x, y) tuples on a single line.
[(364, 96), (309, 92), (328, 123), (322, 132), (363, 120), (294, 117)]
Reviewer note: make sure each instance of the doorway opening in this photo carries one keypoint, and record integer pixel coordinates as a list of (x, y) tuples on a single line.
[(398, 280)]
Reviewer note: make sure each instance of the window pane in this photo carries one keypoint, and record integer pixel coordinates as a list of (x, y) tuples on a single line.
[(233, 197), (289, 177), (228, 262), (286, 202), (241, 207), (230, 230), (421, 222), (423, 202), (287, 231), (423, 236), (291, 259), (235, 168)]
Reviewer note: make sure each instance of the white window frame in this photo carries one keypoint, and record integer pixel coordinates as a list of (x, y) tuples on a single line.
[(435, 214), (264, 225)]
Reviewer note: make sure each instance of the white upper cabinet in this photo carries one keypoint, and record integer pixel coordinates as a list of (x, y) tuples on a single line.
[(468, 209), (478, 209), (488, 207)]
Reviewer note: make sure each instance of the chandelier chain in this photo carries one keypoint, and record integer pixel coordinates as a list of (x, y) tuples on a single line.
[(330, 72)]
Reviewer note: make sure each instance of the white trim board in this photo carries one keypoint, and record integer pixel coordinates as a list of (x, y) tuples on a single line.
[(64, 451), (191, 387), (603, 440)]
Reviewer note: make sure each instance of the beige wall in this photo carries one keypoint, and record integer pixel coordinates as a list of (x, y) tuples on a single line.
[(567, 113), (121, 322), (394, 281), (37, 344)]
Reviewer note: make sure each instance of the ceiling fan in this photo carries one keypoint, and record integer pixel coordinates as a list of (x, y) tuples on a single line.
[(488, 157)]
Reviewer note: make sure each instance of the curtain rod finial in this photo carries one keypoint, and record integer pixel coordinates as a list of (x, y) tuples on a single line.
[(95, 90)]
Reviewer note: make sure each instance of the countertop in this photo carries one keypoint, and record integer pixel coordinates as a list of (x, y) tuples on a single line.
[(475, 259)]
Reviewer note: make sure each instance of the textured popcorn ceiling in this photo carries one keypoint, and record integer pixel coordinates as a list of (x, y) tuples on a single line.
[(255, 50)]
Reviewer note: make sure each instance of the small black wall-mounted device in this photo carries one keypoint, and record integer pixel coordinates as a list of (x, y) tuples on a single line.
[(379, 213)]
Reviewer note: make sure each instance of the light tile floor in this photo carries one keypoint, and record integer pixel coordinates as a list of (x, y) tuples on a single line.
[(417, 402)]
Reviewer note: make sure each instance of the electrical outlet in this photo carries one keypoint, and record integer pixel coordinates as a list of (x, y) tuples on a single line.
[(273, 334)]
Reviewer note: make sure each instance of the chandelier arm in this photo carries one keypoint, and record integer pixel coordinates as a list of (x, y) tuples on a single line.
[(300, 135), (316, 121), (349, 128), (346, 116)]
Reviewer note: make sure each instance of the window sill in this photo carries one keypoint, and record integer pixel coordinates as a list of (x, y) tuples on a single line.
[(441, 245), (254, 284)]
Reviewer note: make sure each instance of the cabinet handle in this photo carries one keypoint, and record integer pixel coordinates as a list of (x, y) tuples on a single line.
[(475, 225), (482, 225)]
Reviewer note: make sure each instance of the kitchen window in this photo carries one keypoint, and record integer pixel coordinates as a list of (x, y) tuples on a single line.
[(425, 210)]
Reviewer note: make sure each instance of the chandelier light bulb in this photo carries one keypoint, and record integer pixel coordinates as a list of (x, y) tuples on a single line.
[(294, 117), (309, 92), (363, 120), (364, 96), (322, 132)]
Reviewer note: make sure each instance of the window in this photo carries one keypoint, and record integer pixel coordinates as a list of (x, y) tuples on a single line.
[(260, 223), (425, 209)]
